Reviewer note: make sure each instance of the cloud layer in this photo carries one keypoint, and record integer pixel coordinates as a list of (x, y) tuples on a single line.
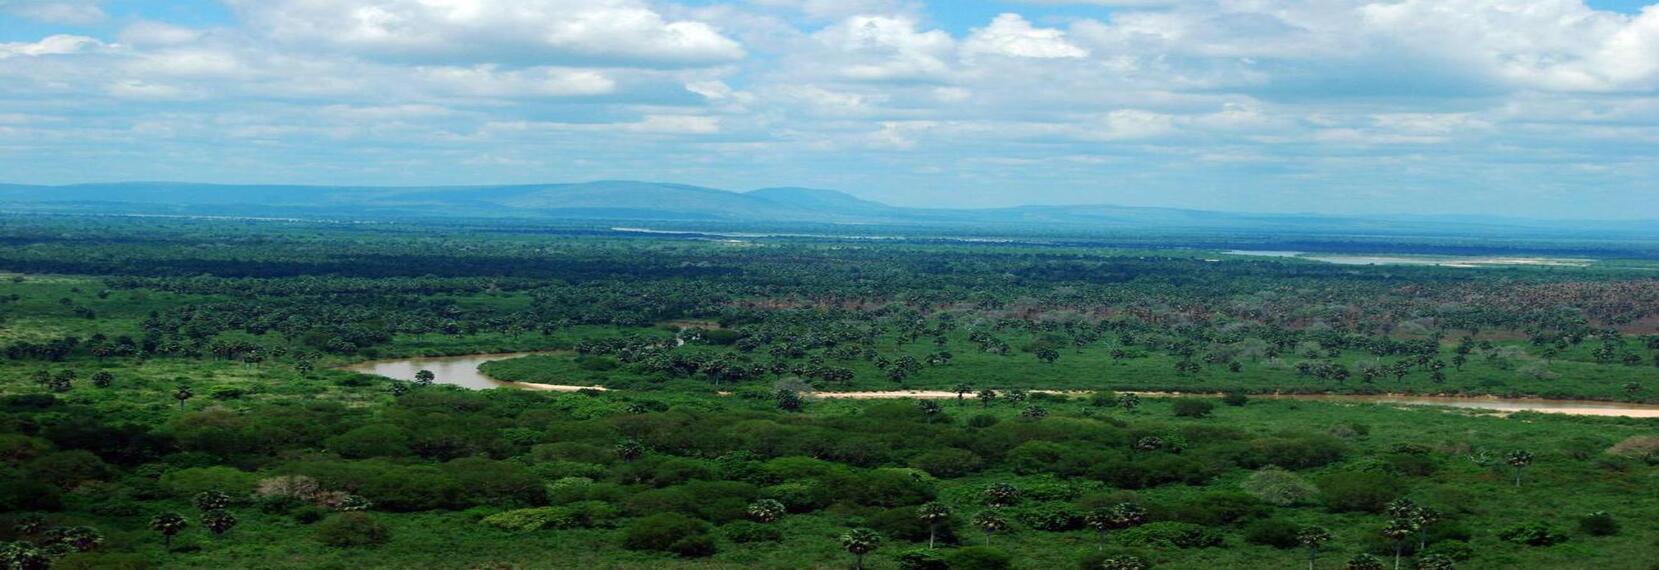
[(1524, 107)]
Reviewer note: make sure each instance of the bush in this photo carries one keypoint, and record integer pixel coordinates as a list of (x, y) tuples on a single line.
[(309, 514), (1272, 532), (947, 463), (1191, 408), (743, 532), (585, 514), (1097, 559), (1453, 549), (1218, 508), (1358, 491), (1277, 486), (1235, 399), (1599, 523), (373, 440), (189, 482), (982, 421), (923, 559), (1531, 534), (979, 558), (347, 530), (669, 532), (902, 523), (1171, 535), (1052, 517), (68, 469)]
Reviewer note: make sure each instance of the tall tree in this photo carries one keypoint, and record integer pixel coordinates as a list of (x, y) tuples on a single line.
[(168, 524), (934, 514), (1312, 538), (1518, 459), (860, 542)]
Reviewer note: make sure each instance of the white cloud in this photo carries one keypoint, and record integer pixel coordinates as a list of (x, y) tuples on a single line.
[(1012, 36), (50, 45), (79, 13), (625, 32), (151, 33), (881, 48)]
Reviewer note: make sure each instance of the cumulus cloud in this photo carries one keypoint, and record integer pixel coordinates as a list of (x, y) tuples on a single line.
[(535, 31), (1012, 36), (78, 13), (50, 45)]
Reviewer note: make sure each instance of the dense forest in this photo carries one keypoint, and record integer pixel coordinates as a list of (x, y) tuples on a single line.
[(173, 393)]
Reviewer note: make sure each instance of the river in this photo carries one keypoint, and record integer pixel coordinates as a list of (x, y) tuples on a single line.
[(463, 371)]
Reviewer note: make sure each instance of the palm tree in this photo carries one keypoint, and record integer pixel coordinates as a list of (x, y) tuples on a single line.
[(23, 555), (168, 524), (962, 390), (629, 450), (182, 394), (1399, 530), (1001, 495), (103, 379), (1123, 562), (1130, 402), (1519, 459), (1313, 537), (766, 510), (987, 397), (859, 542), (218, 521), (82, 538), (934, 514), (991, 523), (212, 500), (1363, 561), (1435, 562), (425, 378), (1117, 517)]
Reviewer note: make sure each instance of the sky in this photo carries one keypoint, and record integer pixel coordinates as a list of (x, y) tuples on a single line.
[(1533, 108)]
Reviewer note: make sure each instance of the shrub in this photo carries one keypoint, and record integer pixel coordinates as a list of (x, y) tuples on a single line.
[(1644, 447), (1218, 508), (585, 514), (1599, 523), (1052, 517), (1272, 532), (189, 482), (748, 531), (923, 559), (1277, 486), (1235, 399), (68, 469), (948, 462), (347, 530), (1171, 535), (373, 440), (1361, 491), (1531, 534), (979, 558), (309, 514), (1115, 559), (1192, 408), (902, 523), (982, 421), (799, 497), (669, 532), (1451, 549)]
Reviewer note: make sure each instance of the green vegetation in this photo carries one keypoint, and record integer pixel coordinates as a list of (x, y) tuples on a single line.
[(171, 396)]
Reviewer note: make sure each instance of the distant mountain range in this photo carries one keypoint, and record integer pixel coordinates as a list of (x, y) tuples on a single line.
[(630, 201)]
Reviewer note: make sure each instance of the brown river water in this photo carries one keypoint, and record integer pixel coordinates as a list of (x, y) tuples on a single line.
[(463, 371)]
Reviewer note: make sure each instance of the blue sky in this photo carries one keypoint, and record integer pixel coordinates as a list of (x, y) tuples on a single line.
[(1543, 108)]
